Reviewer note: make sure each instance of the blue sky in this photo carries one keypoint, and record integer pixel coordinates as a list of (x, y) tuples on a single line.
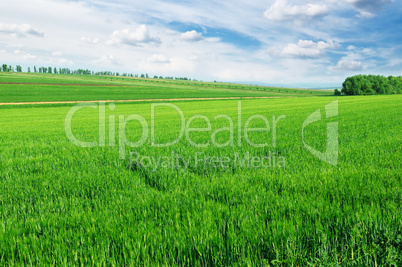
[(288, 42)]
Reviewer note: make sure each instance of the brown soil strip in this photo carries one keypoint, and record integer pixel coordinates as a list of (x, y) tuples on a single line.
[(135, 100)]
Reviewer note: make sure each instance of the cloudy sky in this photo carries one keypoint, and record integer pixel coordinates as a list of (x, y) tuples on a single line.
[(270, 41)]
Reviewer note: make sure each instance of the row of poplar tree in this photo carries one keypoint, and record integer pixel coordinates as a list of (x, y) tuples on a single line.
[(18, 68)]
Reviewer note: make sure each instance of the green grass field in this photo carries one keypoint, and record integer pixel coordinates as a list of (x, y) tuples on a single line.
[(47, 88), (61, 204)]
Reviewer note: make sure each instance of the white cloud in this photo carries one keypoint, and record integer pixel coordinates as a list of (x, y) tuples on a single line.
[(281, 10), (307, 49), (170, 32), (360, 53), (89, 40), (192, 36), (194, 57), (57, 53), (64, 61), (368, 8), (16, 45), (126, 21), (158, 59), (135, 38), (369, 5), (109, 59), (365, 14), (369, 52), (349, 65), (25, 55), (20, 30), (395, 62)]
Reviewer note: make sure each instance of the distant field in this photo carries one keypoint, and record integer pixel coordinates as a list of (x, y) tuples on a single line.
[(61, 204), (46, 87)]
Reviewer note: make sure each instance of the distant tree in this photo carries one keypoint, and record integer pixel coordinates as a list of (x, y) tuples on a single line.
[(395, 85), (49, 70), (18, 68), (55, 71), (337, 92), (35, 70), (5, 67), (352, 86), (366, 87), (371, 85), (146, 75), (142, 76)]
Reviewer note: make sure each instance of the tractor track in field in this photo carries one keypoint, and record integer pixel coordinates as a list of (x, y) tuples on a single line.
[(135, 100)]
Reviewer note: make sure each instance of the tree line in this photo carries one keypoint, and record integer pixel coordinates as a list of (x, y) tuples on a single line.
[(67, 71), (371, 85)]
